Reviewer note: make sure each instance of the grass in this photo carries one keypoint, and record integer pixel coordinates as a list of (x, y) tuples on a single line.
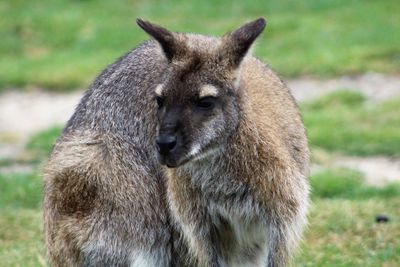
[(63, 44), (342, 183), (37, 148), (343, 122), (41, 143), (21, 237), (344, 233), (20, 190)]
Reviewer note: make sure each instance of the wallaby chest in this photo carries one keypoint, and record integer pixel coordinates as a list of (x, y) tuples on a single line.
[(241, 232)]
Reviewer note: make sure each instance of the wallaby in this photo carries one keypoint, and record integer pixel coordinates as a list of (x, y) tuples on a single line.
[(227, 129), (235, 149)]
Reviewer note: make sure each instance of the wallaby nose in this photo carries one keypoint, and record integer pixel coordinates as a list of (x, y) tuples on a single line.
[(165, 143)]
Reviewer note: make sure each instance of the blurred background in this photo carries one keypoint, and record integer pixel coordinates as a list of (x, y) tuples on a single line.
[(341, 58)]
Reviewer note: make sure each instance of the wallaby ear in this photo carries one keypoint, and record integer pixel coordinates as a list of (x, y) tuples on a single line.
[(237, 43), (165, 37)]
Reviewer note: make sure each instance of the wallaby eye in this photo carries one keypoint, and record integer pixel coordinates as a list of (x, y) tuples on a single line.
[(206, 103), (160, 101)]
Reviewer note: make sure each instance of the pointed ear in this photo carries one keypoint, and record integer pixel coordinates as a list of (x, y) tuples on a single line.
[(165, 37), (237, 43)]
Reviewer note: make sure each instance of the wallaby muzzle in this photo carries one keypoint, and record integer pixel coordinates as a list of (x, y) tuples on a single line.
[(166, 143), (169, 138)]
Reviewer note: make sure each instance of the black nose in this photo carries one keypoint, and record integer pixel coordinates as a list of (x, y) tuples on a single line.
[(165, 143)]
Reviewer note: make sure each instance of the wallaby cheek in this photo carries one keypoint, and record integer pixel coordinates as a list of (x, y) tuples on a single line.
[(212, 132)]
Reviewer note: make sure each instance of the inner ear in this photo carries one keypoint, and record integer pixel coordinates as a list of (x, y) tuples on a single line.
[(236, 44), (166, 38)]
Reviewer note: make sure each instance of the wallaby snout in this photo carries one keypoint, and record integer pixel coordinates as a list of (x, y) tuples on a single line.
[(166, 143), (169, 141)]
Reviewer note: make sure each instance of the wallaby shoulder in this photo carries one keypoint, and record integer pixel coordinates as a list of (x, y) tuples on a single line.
[(121, 99), (273, 111)]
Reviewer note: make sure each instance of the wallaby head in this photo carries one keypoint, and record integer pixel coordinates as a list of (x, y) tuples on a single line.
[(198, 96)]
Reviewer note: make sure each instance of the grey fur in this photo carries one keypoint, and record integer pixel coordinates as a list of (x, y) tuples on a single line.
[(104, 190)]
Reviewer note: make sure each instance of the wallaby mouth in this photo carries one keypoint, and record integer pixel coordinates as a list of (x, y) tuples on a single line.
[(170, 163), (167, 148), (173, 159)]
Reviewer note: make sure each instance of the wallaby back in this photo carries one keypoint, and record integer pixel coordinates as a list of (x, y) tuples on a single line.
[(104, 201)]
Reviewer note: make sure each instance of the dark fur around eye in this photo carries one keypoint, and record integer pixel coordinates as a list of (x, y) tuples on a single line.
[(160, 101), (206, 103)]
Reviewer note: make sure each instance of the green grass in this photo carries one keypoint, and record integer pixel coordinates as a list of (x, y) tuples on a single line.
[(343, 122), (41, 144), (348, 184), (343, 233), (61, 44), (20, 190), (21, 237)]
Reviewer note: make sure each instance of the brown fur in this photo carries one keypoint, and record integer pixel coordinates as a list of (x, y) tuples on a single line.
[(251, 176)]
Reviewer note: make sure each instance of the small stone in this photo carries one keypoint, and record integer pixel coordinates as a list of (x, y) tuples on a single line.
[(382, 218)]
